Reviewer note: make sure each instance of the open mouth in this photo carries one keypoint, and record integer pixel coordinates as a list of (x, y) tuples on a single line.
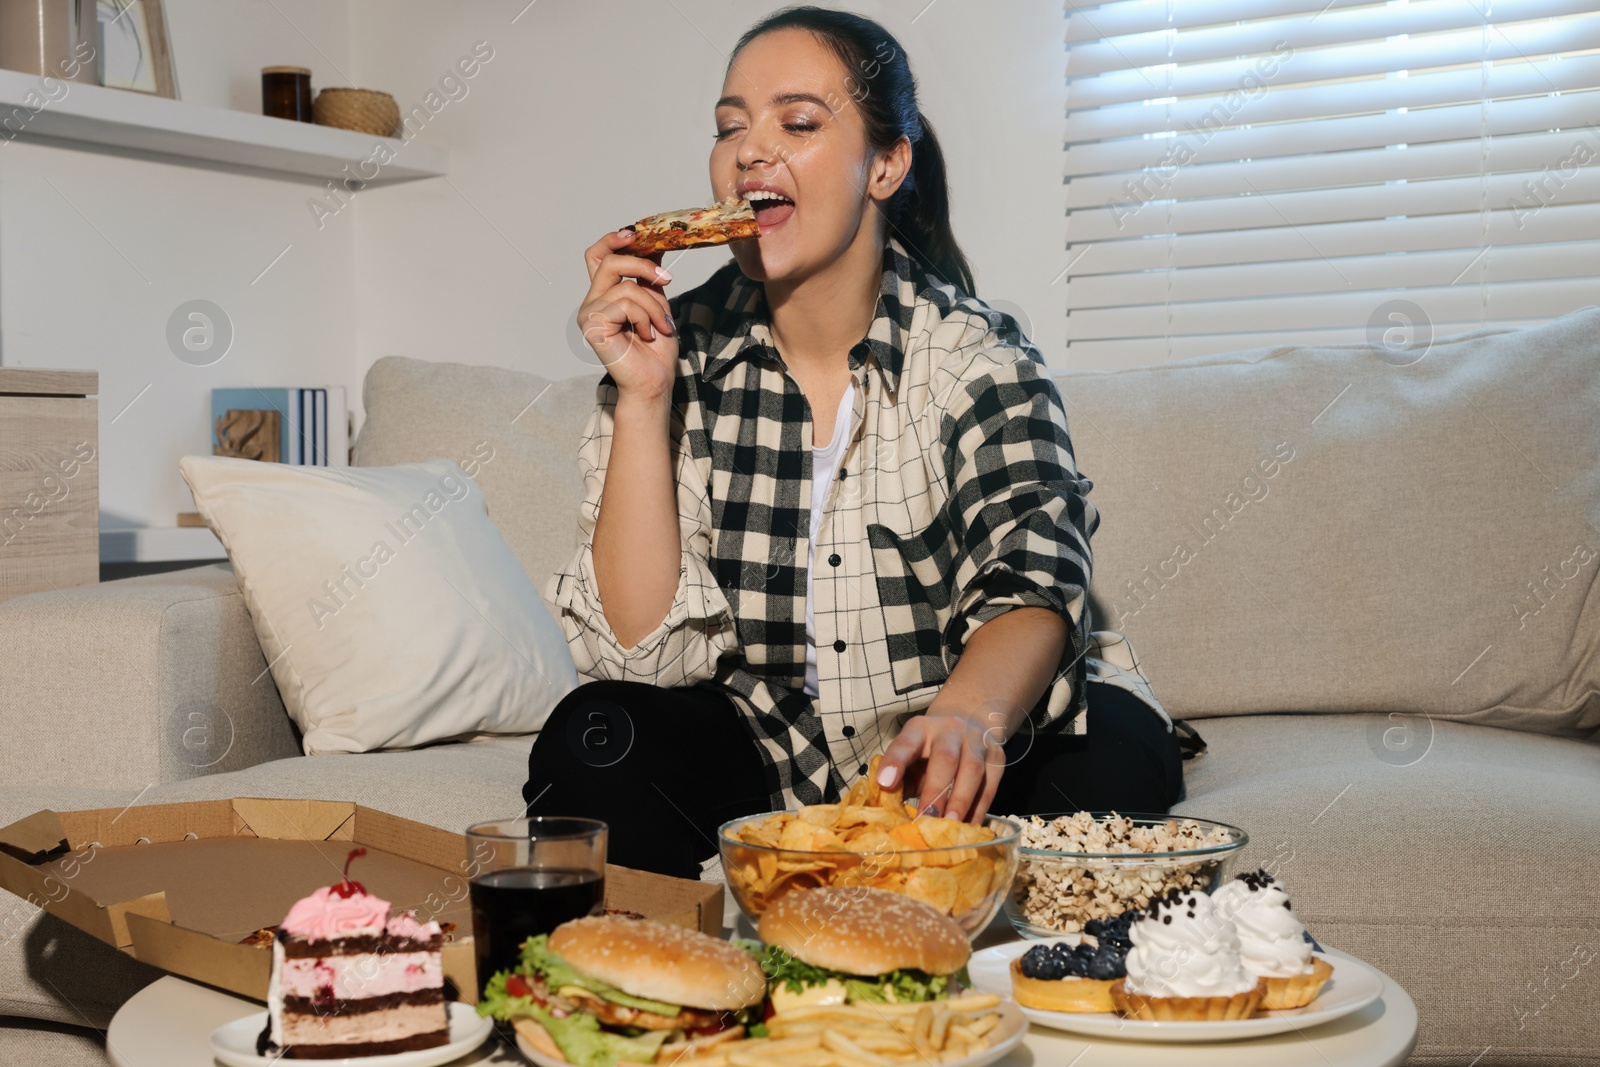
[(771, 209)]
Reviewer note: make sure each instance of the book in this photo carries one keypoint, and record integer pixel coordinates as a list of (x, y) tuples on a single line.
[(308, 426), (320, 449)]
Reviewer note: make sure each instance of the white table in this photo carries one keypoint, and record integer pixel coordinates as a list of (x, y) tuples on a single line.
[(169, 1024), (1380, 1035)]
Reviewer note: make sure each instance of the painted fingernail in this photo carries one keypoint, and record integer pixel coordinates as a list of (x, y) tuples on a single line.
[(931, 809), (662, 275), (886, 777)]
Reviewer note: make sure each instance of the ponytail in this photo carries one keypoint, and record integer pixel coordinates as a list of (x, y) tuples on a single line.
[(923, 221), (879, 79)]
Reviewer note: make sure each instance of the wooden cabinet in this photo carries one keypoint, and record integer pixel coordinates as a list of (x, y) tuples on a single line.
[(49, 479)]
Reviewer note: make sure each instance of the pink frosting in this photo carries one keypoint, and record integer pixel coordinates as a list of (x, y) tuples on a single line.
[(325, 915), (405, 924), (366, 975)]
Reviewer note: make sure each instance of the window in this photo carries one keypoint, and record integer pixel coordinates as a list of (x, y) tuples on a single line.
[(1298, 171)]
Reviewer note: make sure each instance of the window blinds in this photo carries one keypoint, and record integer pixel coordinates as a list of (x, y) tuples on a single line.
[(1242, 173)]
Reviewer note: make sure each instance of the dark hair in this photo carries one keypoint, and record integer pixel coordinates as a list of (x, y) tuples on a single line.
[(880, 82)]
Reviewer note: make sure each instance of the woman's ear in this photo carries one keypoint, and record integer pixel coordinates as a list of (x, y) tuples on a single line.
[(890, 168)]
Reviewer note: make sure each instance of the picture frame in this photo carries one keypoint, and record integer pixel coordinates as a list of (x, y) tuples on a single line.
[(134, 52)]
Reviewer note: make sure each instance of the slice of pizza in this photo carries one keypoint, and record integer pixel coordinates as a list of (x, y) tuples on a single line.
[(731, 220)]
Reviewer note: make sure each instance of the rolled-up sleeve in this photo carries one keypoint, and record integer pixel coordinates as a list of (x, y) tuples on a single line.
[(698, 628), (1021, 512)]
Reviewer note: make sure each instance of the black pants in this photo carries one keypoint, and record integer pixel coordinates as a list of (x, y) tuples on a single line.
[(665, 767)]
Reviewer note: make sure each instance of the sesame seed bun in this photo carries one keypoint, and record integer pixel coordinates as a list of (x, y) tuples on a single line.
[(864, 931), (661, 962)]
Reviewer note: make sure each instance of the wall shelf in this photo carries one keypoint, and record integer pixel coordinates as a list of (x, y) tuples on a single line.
[(186, 134), (160, 544)]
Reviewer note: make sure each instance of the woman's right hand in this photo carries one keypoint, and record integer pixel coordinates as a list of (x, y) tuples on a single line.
[(627, 322)]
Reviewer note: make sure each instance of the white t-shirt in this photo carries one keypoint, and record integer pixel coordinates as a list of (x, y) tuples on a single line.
[(824, 464)]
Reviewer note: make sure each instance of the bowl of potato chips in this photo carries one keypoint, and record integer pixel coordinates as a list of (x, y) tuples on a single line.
[(872, 837)]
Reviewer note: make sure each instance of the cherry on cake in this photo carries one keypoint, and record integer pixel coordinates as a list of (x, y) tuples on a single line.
[(350, 978)]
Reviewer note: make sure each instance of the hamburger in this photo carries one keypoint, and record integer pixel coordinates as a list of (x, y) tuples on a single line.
[(605, 990), (843, 944)]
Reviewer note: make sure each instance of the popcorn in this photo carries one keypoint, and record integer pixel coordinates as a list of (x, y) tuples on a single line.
[(1060, 895)]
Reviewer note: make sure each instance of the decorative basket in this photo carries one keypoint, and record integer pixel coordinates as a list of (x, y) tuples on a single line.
[(362, 110)]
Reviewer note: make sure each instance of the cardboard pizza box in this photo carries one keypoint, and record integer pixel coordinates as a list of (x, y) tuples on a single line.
[(180, 886)]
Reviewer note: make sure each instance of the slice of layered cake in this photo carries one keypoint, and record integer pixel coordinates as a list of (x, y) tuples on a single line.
[(351, 979)]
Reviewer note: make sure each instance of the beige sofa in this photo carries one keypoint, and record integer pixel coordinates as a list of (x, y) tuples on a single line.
[(1361, 573)]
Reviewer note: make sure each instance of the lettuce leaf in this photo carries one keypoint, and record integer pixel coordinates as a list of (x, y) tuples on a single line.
[(906, 986), (795, 974), (578, 1036), (585, 1044), (497, 1002)]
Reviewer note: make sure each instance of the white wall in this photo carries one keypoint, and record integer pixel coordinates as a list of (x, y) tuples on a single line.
[(579, 125), (576, 125), (97, 250)]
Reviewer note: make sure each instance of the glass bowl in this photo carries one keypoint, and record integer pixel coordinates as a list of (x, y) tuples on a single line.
[(1056, 892), (967, 882)]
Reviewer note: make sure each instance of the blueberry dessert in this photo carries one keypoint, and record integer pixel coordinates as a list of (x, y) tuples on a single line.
[(1063, 977)]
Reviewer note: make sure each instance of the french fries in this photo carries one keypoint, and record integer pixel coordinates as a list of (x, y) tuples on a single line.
[(861, 1035)]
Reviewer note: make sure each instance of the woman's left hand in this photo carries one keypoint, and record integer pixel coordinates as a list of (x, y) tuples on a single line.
[(950, 759)]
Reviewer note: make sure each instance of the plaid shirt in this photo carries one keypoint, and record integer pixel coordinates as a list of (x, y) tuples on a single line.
[(956, 499)]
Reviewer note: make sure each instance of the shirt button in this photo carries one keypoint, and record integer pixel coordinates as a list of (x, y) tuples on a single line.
[(843, 474), (838, 646), (834, 560), (849, 731), (862, 770)]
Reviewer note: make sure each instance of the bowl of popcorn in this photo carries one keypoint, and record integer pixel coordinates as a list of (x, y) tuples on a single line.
[(1076, 866)]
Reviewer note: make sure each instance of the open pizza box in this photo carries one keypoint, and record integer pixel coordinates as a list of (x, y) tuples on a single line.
[(180, 886)]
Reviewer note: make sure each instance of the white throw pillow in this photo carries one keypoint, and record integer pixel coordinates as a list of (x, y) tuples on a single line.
[(389, 607)]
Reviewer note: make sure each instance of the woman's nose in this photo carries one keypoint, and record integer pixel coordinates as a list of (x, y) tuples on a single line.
[(751, 155), (756, 150)]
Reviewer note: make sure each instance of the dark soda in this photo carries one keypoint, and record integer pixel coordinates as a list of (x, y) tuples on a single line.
[(512, 905)]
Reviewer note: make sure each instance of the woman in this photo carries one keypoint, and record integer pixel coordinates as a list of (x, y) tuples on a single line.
[(831, 503)]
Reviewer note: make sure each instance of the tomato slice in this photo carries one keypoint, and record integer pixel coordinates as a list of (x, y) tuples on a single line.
[(517, 986)]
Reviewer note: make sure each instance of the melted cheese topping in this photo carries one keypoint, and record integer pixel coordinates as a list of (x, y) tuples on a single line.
[(688, 218), (830, 992)]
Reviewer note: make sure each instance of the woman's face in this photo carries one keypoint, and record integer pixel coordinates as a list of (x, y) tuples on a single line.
[(786, 123)]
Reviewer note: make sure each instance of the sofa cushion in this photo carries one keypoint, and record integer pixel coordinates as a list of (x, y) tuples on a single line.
[(1463, 864), (389, 607), (450, 785), (515, 433), (1354, 529), (41, 1044), (135, 681)]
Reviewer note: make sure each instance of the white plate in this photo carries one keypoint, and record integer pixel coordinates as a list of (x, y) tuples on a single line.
[(1353, 986), (235, 1043), (1007, 1033)]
